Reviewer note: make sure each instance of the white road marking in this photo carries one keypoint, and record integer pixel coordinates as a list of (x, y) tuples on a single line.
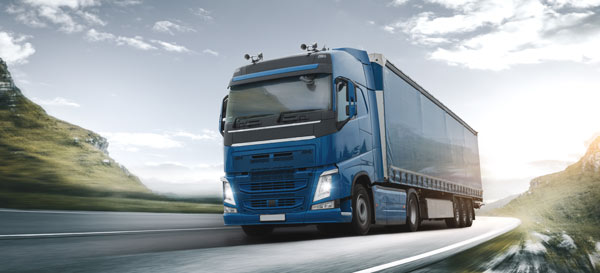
[(102, 212), (67, 234), (483, 237)]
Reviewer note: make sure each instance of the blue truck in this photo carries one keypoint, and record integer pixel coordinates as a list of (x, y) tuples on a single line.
[(345, 140)]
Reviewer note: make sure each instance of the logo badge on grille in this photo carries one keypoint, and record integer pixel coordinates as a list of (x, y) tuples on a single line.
[(272, 203)]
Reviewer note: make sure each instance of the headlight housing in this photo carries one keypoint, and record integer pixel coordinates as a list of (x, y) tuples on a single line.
[(227, 192), (324, 185)]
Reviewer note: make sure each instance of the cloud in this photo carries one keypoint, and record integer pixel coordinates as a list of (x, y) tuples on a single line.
[(181, 178), (205, 135), (125, 3), (26, 16), (165, 140), (124, 141), (14, 49), (202, 13), (135, 42), (96, 36), (58, 101), (397, 3), (91, 18), (389, 29), (169, 27), (171, 46), (74, 4), (497, 34), (41, 13), (211, 52)]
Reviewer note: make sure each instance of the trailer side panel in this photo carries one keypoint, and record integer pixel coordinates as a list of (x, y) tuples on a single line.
[(426, 145)]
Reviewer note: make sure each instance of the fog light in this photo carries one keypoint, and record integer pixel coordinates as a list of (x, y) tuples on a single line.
[(324, 205), (229, 209)]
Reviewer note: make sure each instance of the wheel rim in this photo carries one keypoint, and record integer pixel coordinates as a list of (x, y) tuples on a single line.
[(456, 212), (361, 206), (413, 212)]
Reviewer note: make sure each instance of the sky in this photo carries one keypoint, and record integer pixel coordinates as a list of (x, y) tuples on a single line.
[(150, 75)]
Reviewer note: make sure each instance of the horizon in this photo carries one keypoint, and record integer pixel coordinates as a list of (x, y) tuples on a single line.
[(150, 81)]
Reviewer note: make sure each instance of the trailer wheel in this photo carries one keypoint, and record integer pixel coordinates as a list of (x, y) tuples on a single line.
[(257, 231), (463, 212), (455, 221), (361, 210), (413, 219), (470, 213)]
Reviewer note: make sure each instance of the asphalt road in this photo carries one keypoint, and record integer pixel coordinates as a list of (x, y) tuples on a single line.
[(64, 241)]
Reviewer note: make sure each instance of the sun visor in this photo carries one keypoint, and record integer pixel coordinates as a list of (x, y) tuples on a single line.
[(284, 67)]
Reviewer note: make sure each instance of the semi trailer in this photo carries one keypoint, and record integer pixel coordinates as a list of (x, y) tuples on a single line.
[(343, 139)]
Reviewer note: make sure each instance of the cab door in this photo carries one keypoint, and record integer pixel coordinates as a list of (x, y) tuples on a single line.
[(348, 143)]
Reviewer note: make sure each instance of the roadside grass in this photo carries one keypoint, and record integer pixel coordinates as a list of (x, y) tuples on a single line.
[(21, 200)]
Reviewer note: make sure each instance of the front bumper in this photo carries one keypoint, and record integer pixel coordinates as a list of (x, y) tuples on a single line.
[(305, 217)]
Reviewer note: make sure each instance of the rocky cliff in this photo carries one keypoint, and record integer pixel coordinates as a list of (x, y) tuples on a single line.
[(39, 153)]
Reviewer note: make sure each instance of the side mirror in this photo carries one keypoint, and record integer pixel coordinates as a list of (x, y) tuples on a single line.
[(351, 98), (223, 115), (351, 92)]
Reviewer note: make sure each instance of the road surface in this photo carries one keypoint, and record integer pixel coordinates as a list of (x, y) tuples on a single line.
[(65, 241)]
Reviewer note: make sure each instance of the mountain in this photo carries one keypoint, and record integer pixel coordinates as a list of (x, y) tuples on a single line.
[(49, 163), (564, 199), (496, 204), (560, 230)]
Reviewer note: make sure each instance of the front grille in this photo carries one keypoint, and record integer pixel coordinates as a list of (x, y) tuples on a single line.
[(272, 186), (272, 175), (274, 191), (282, 203)]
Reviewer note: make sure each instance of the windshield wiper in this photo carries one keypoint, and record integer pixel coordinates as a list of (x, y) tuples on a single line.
[(249, 121), (294, 116)]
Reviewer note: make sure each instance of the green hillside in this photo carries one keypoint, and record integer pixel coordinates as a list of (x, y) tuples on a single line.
[(46, 163), (560, 229)]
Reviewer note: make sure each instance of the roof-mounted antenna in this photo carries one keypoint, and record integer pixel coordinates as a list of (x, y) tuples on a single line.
[(312, 48), (254, 59)]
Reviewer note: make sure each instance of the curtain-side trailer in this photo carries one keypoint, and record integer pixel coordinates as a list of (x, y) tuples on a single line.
[(345, 140)]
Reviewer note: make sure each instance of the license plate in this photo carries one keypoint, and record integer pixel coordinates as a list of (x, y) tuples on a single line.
[(272, 217)]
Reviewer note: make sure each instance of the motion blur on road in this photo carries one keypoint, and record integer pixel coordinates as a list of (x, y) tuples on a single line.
[(63, 241)]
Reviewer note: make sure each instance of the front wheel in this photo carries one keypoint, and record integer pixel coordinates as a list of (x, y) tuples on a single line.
[(361, 211), (257, 231)]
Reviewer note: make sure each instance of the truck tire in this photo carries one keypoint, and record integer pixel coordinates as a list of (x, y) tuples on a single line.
[(455, 221), (413, 219), (361, 210), (257, 231), (463, 212), (470, 213)]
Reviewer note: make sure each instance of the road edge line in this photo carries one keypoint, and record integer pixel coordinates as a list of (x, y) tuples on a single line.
[(488, 236), (96, 233)]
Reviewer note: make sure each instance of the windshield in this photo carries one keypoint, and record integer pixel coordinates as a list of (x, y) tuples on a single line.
[(307, 92)]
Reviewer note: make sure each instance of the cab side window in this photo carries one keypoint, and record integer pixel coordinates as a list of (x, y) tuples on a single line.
[(341, 88)]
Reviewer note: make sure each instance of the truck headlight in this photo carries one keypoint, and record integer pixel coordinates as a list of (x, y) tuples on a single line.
[(227, 209), (324, 185), (227, 192)]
